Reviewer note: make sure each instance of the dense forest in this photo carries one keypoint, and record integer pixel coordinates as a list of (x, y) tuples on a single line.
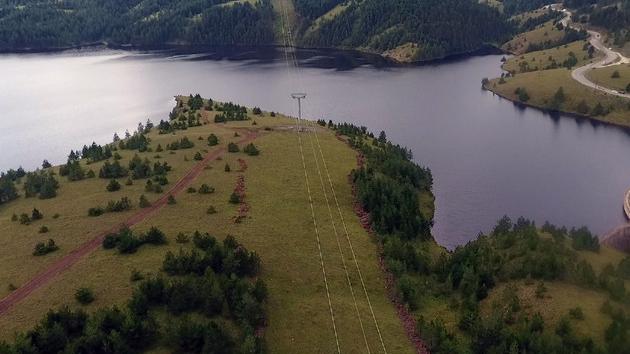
[(609, 14), (437, 27), (46, 24)]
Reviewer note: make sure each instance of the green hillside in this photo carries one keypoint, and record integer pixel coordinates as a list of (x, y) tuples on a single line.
[(435, 29)]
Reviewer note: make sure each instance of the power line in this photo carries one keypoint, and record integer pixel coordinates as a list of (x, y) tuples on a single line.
[(310, 200)]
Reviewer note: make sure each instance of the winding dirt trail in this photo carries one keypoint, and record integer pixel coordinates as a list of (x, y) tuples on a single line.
[(58, 267)]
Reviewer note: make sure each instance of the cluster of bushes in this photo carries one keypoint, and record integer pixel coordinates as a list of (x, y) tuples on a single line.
[(230, 112), (387, 187), (139, 169), (516, 251), (112, 170), (213, 140), (44, 248), (94, 152), (73, 170), (117, 206), (25, 219), (183, 143), (40, 183), (126, 242), (251, 150), (219, 308), (137, 141), (8, 191), (195, 102), (226, 257)]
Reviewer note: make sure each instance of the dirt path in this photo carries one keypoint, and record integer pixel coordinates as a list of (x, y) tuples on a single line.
[(47, 275)]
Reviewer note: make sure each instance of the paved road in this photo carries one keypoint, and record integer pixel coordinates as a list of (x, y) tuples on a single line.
[(611, 58)]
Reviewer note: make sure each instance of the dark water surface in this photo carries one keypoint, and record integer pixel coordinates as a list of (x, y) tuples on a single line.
[(488, 157)]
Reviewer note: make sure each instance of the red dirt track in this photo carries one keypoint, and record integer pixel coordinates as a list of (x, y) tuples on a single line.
[(47, 275)]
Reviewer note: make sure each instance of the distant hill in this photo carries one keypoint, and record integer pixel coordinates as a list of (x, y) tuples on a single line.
[(405, 29), (424, 29)]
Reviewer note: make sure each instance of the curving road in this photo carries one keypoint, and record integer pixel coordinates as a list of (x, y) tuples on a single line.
[(611, 58)]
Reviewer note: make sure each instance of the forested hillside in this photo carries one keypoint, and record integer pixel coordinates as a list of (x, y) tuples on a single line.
[(46, 24), (433, 28), (611, 15)]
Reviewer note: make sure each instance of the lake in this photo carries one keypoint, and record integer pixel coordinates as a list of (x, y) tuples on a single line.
[(488, 156)]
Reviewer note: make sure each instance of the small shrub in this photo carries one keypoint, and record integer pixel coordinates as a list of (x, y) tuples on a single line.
[(211, 210), (90, 174), (36, 215), (213, 140), (118, 206), (43, 229), (129, 182), (191, 190), (56, 216), (576, 313), (541, 290), (84, 296), (235, 198), (233, 147), (198, 156), (182, 238), (251, 150), (11, 287), (97, 211), (14, 217), (113, 186), (171, 200), (257, 111), (227, 168), (273, 114), (25, 219), (144, 202), (206, 189), (110, 241), (154, 236), (136, 275)]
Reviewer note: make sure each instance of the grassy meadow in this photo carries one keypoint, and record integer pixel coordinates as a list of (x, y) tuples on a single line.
[(548, 58), (546, 32), (607, 77), (541, 87), (279, 228)]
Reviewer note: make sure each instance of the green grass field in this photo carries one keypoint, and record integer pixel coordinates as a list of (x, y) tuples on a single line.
[(541, 34), (279, 228), (605, 77), (541, 87), (545, 59)]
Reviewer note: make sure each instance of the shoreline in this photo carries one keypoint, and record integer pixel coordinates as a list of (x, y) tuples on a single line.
[(260, 52), (559, 114)]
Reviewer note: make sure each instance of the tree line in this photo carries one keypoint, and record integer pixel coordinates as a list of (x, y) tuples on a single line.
[(438, 27), (49, 24), (212, 303)]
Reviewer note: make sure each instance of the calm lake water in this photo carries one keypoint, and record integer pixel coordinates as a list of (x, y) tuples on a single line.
[(488, 157)]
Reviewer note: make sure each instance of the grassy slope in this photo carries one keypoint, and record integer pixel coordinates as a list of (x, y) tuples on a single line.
[(603, 76), (539, 60), (541, 34), (279, 228), (542, 85)]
